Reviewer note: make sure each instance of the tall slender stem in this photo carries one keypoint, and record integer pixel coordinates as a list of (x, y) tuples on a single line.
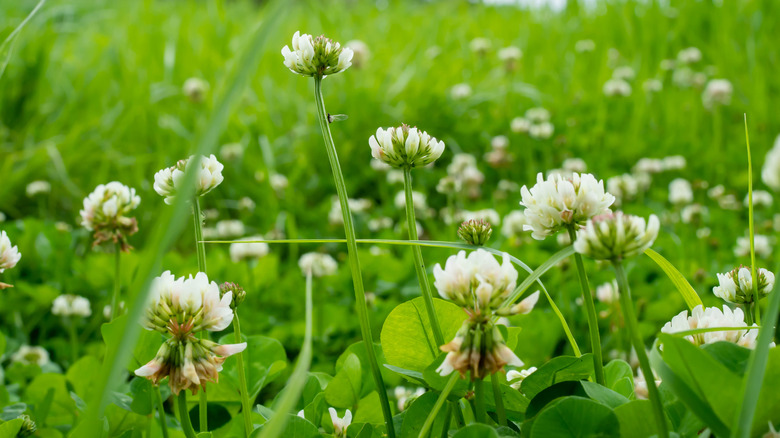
[(426, 428), (117, 282), (639, 346), (500, 411), (200, 247), (245, 405), (751, 222), (419, 263), (184, 415), (479, 401), (354, 261), (160, 410), (590, 308), (74, 340)]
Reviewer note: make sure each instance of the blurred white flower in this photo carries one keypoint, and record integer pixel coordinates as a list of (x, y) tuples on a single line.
[(515, 378), (693, 213), (615, 236), (680, 192), (9, 255), (195, 89), (556, 203), (28, 355), (107, 310), (106, 212), (38, 188), (624, 73), (230, 228), (624, 187), (690, 55), (406, 395), (736, 286), (674, 162), (667, 64), (319, 264), (616, 87), (510, 53), (652, 86), (480, 45), (418, 199), (770, 172), (520, 125), (762, 245), (649, 166), (356, 206), (244, 249), (360, 52), (380, 223), (460, 91), (340, 424), (607, 292), (513, 224), (761, 198), (488, 215), (71, 305), (499, 142), (584, 46), (718, 92), (537, 115), (318, 56), (577, 165), (246, 203), (231, 151), (640, 384), (168, 181), (542, 131), (405, 147), (709, 317), (379, 165)]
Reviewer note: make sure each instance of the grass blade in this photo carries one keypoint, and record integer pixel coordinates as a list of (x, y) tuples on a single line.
[(756, 298), (686, 290), (7, 48)]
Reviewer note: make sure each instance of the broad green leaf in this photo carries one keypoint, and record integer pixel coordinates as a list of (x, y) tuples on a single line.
[(80, 375), (11, 428), (768, 407), (369, 410), (686, 290), (620, 377), (343, 391), (296, 427), (559, 369), (413, 376), (63, 408), (636, 419), (731, 355), (575, 417), (416, 414), (476, 431), (604, 395), (406, 336), (141, 391)]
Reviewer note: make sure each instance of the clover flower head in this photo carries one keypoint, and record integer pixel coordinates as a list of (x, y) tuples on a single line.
[(710, 317), (556, 203), (475, 232), (246, 249), (168, 181), (318, 264), (616, 88), (515, 378), (770, 172), (680, 192), (9, 255), (476, 282), (736, 286), (106, 213), (405, 147), (320, 56), (28, 355), (717, 92), (478, 349), (340, 424), (615, 236), (71, 305)]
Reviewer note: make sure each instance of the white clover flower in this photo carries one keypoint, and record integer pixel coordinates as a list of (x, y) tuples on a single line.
[(419, 200), (674, 162), (380, 223), (624, 187), (357, 206), (515, 378), (537, 115), (460, 91), (360, 52), (488, 215), (499, 142), (709, 317), (187, 305), (770, 172), (476, 281), (195, 89), (513, 224), (556, 203), (640, 384), (71, 305), (736, 286), (510, 53), (761, 198), (584, 46), (520, 125), (379, 165), (682, 77), (761, 243), (699, 80), (616, 87), (652, 86), (107, 310), (667, 64), (230, 228), (608, 292), (106, 212), (680, 192), (278, 182), (624, 73), (577, 165), (340, 424), (405, 147), (38, 188), (693, 213), (717, 92), (542, 131), (649, 166), (616, 236), (316, 56), (231, 151), (480, 45), (406, 395), (167, 182), (9, 255), (28, 355), (318, 264), (246, 249), (690, 55)]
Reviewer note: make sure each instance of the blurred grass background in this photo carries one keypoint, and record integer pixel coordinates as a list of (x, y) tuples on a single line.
[(93, 93)]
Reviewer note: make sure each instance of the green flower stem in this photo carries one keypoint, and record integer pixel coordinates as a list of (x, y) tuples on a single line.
[(184, 413), (639, 346), (593, 322), (479, 401), (753, 275), (748, 313), (160, 410), (201, 250), (447, 418), (246, 407), (74, 339), (354, 261), (459, 420), (454, 377), (500, 411), (419, 263), (117, 282)]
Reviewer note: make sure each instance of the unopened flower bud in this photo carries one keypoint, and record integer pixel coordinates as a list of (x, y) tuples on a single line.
[(318, 56), (239, 294), (405, 147), (475, 232), (28, 427), (616, 236)]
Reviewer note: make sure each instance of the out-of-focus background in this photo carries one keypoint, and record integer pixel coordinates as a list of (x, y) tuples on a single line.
[(96, 91)]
